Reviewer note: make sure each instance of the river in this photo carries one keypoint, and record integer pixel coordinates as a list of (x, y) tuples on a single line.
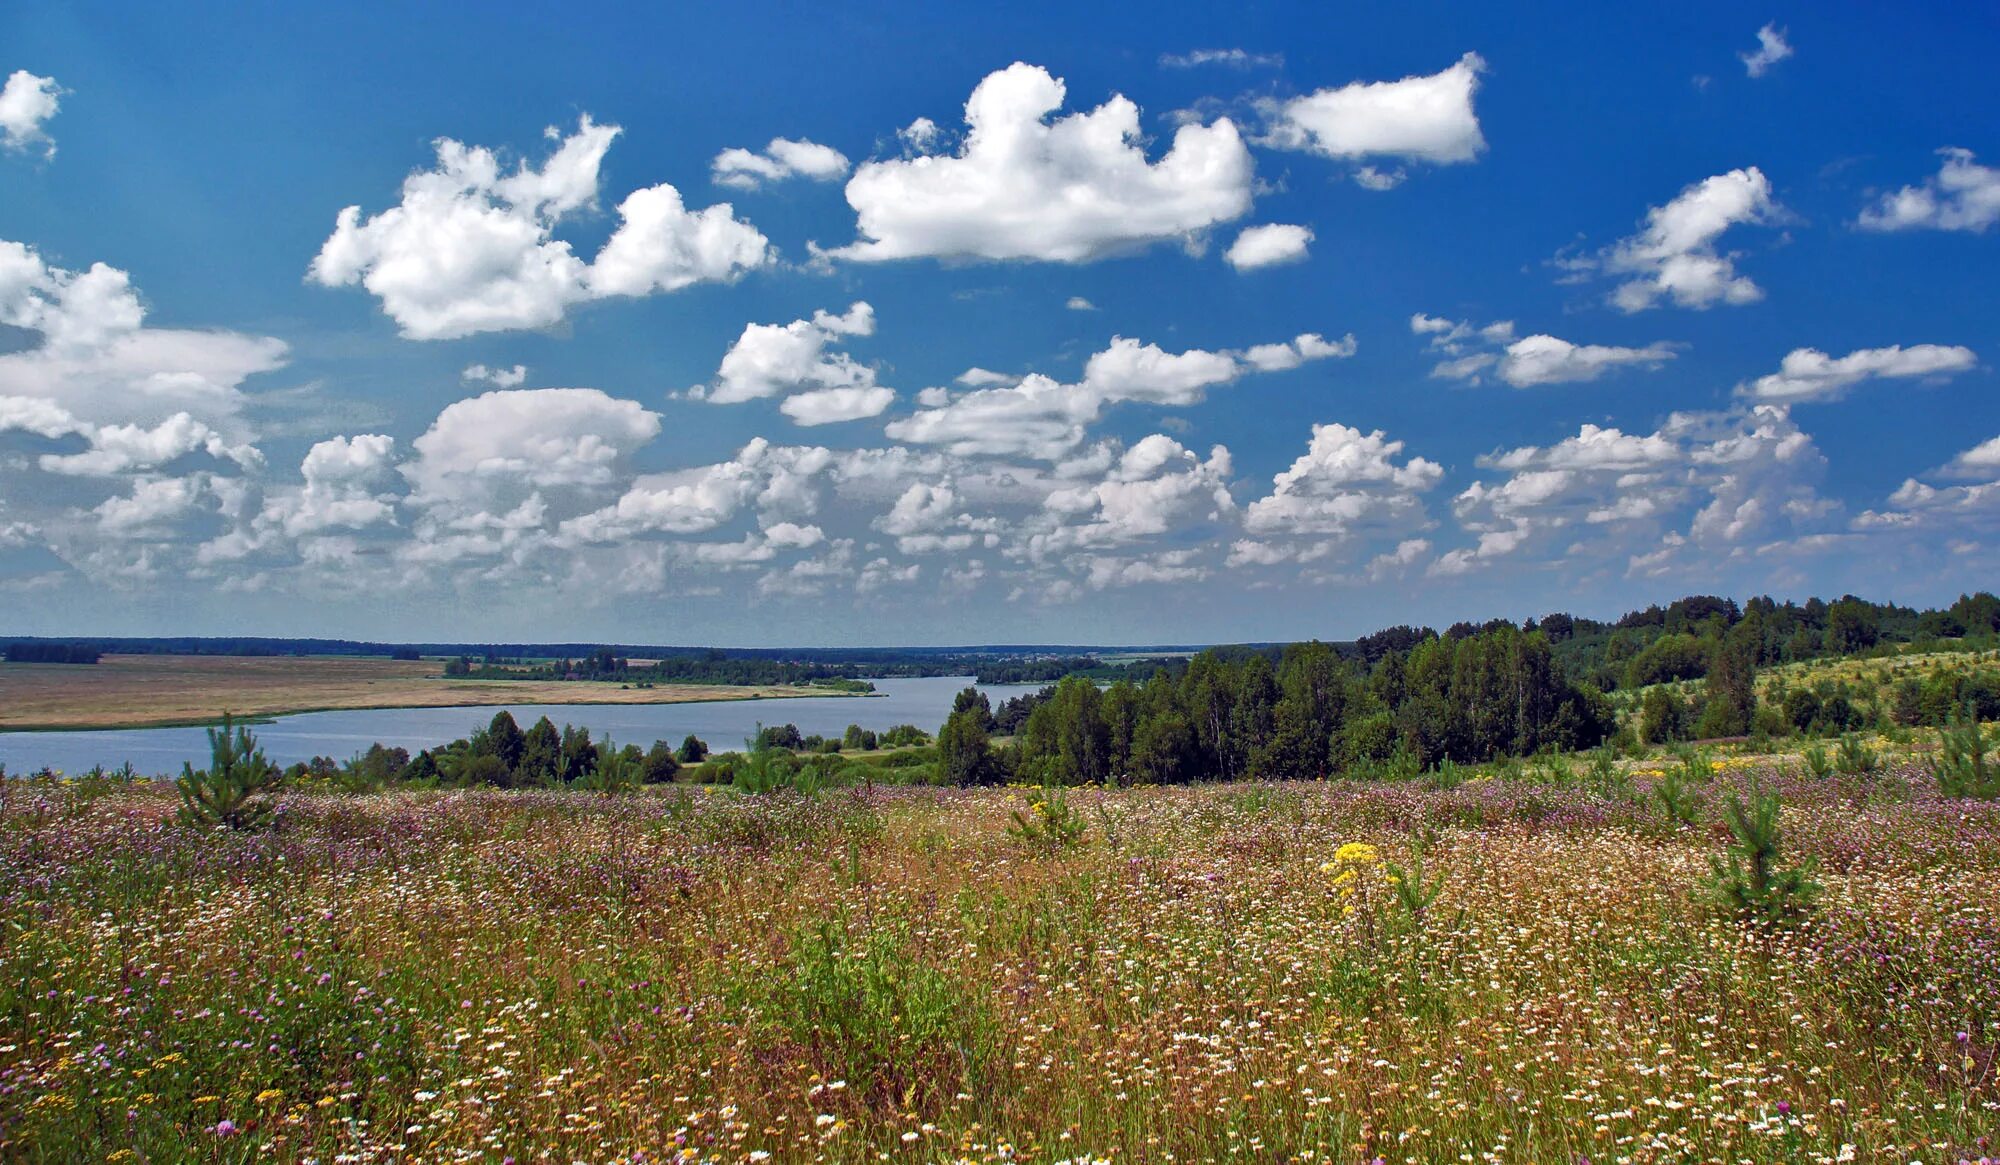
[(723, 724)]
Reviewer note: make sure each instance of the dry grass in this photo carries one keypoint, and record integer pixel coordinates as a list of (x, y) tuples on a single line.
[(142, 691)]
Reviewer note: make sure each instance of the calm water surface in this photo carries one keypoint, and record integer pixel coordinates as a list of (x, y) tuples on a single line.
[(724, 724)]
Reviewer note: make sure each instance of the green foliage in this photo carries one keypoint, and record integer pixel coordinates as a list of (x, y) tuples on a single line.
[(1663, 717), (1049, 823), (1751, 882), (235, 790), (1855, 758), (1731, 688), (1676, 793), (1605, 776), (1817, 761), (1961, 768), (1414, 894), (965, 755), (618, 770), (869, 1010)]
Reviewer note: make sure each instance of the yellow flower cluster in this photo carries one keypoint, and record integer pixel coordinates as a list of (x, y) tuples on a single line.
[(1345, 869)]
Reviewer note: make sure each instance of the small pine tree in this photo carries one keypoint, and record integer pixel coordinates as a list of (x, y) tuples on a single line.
[(618, 770), (234, 790), (1752, 884), (1960, 767)]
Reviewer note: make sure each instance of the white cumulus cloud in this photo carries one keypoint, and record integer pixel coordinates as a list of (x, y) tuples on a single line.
[(1022, 186), (1268, 246), (1962, 196), (497, 377), (471, 248), (27, 102), (1676, 256), (1810, 374), (1417, 119), (783, 158)]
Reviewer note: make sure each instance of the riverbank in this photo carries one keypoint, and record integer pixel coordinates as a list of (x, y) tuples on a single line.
[(168, 691)]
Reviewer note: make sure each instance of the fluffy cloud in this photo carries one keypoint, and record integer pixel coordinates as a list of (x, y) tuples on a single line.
[(782, 482), (660, 245), (499, 449), (497, 377), (1416, 119), (783, 158), (1981, 462), (116, 449), (1543, 359), (1268, 246), (826, 406), (1675, 256), (151, 504), (1310, 346), (27, 102), (1771, 48), (1808, 374), (97, 363), (471, 249), (1070, 190), (1962, 196), (1733, 478), (1529, 360), (1154, 487), (793, 360), (1347, 482), (1043, 418)]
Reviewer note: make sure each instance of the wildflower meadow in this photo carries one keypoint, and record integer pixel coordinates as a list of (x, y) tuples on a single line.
[(1518, 967)]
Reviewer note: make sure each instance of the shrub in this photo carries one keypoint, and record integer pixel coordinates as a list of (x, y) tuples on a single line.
[(1751, 883), (234, 791), (1663, 717), (1677, 796), (1855, 758), (1048, 823), (1960, 766)]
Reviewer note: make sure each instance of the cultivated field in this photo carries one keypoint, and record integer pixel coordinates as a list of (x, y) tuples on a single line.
[(140, 691), (1218, 973)]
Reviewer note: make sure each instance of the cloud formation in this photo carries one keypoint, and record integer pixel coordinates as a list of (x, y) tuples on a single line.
[(795, 361), (1771, 48), (1675, 256), (1962, 196), (1268, 246), (1043, 418), (1808, 374), (1474, 352), (784, 158), (1417, 119), (471, 248), (1071, 189), (27, 102)]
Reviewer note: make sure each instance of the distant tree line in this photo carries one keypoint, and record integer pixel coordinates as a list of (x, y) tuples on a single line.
[(1315, 711), (51, 652)]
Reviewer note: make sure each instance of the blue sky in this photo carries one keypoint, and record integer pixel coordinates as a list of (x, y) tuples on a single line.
[(1277, 322)]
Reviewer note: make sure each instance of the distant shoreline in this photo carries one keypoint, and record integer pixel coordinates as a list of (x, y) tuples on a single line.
[(273, 717), (141, 692)]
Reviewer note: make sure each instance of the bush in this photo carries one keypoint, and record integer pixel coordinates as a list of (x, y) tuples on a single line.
[(1855, 758), (1751, 883), (1960, 767), (234, 791), (1663, 717)]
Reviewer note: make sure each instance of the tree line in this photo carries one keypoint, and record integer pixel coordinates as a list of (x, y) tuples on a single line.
[(1311, 713)]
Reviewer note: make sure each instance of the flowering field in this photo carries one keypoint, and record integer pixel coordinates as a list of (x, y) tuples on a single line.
[(1207, 973)]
